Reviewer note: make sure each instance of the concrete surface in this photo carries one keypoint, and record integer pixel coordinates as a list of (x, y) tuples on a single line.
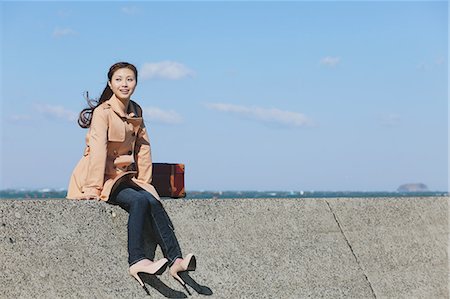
[(245, 248)]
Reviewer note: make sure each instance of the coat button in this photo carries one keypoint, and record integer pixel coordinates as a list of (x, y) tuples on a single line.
[(133, 134), (115, 152), (130, 152)]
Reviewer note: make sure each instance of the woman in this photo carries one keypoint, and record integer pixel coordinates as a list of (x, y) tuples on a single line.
[(117, 167)]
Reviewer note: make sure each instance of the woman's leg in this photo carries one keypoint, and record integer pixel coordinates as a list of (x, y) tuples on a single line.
[(137, 206), (163, 228)]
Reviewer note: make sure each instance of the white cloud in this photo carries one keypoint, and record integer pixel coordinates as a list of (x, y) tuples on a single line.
[(170, 70), (390, 120), (63, 13), (440, 60), (272, 115), (330, 61), (20, 117), (157, 115), (429, 65), (423, 67), (61, 32), (56, 112), (130, 10)]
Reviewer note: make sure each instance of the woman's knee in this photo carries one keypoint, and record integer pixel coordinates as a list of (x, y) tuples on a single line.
[(139, 201), (150, 198)]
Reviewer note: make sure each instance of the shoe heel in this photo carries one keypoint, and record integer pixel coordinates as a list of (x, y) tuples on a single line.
[(192, 265), (178, 278), (141, 283), (136, 276)]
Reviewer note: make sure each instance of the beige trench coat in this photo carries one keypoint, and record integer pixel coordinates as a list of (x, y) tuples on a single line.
[(117, 149)]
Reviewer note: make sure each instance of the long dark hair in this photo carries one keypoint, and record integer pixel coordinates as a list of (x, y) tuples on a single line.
[(84, 120)]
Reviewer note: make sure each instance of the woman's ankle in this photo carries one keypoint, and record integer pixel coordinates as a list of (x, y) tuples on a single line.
[(178, 260), (143, 261)]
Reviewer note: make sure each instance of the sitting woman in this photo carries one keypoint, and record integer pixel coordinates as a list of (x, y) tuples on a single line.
[(117, 167)]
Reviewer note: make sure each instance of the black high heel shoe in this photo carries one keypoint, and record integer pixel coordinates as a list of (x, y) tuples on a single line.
[(145, 267), (189, 263)]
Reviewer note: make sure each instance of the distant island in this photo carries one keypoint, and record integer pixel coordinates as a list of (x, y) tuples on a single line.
[(416, 187)]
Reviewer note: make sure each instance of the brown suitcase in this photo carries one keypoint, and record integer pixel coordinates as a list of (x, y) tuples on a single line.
[(168, 179)]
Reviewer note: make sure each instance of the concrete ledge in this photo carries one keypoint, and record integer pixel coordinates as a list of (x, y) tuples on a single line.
[(246, 248)]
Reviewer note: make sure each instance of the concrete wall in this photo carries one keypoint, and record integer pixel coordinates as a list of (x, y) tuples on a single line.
[(246, 248)]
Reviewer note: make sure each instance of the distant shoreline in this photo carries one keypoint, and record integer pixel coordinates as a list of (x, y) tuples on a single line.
[(48, 193)]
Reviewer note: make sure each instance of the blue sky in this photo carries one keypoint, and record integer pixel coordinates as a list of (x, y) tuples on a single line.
[(326, 96)]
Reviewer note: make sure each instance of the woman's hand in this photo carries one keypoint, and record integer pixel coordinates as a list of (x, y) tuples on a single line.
[(91, 194), (90, 197)]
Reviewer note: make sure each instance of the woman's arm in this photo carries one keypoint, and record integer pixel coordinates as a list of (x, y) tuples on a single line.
[(143, 156), (98, 140)]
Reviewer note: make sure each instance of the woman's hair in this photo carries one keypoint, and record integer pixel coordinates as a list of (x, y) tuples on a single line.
[(84, 120)]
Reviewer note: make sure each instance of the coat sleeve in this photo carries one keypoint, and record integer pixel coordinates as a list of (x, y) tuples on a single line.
[(98, 141), (143, 156)]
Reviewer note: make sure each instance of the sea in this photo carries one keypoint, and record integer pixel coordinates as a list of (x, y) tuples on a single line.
[(61, 193)]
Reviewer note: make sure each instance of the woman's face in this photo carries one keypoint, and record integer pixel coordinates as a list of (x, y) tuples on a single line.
[(122, 83)]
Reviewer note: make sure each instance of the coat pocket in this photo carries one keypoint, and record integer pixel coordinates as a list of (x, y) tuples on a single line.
[(123, 161)]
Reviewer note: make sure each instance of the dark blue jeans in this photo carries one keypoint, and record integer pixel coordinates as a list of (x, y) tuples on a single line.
[(140, 204)]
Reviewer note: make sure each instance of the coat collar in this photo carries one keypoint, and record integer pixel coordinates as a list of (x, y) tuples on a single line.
[(132, 115), (118, 107)]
